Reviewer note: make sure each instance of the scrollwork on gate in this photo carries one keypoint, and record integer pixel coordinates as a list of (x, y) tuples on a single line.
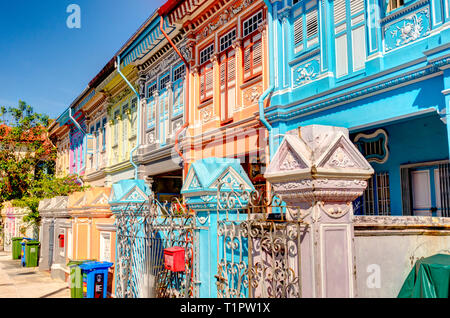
[(143, 232), (258, 244)]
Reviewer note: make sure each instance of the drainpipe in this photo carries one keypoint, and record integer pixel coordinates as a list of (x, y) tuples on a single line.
[(84, 132), (138, 134), (186, 106), (269, 90)]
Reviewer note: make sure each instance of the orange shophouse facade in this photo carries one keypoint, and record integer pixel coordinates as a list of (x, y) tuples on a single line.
[(92, 236), (228, 74)]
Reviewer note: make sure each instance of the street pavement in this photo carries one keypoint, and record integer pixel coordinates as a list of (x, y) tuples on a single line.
[(21, 282)]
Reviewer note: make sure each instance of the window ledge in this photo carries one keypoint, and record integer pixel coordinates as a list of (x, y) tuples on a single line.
[(206, 103), (252, 81), (304, 55)]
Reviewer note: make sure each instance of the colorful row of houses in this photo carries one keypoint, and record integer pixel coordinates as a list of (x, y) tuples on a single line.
[(229, 79)]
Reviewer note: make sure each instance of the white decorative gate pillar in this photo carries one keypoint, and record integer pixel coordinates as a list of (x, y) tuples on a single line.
[(318, 170)]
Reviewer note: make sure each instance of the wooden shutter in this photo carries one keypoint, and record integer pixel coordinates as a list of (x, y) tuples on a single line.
[(206, 82), (89, 144), (227, 84), (339, 11), (312, 27), (253, 56), (298, 31)]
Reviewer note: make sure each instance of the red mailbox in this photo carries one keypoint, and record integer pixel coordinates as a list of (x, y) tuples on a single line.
[(174, 259), (61, 240)]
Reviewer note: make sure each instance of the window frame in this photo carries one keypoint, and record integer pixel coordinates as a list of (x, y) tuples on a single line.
[(250, 36), (178, 89), (204, 70), (348, 32), (302, 46)]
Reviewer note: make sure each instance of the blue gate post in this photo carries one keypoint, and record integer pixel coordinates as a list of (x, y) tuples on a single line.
[(129, 196), (200, 192)]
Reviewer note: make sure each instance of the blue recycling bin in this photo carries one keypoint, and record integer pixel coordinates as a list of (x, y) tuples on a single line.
[(22, 254), (95, 279)]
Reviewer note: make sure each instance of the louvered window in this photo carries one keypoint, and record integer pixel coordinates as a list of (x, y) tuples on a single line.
[(206, 73), (350, 39), (227, 84), (104, 134), (133, 116), (124, 130), (116, 127), (253, 48), (306, 25)]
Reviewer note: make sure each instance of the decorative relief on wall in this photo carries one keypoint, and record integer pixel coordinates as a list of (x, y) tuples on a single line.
[(252, 94), (409, 29), (206, 114), (135, 196), (340, 159), (195, 183), (151, 138), (163, 65), (225, 17), (305, 72), (291, 162)]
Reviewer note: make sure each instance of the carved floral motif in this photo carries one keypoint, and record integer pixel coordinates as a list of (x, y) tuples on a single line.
[(340, 159), (408, 30), (290, 163), (226, 16), (252, 95), (306, 73), (206, 114)]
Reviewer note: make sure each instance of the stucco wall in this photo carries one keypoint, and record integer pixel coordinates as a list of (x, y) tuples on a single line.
[(394, 252)]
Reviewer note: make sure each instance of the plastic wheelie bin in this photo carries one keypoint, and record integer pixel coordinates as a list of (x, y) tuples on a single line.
[(22, 250), (76, 279), (32, 253), (95, 279), (16, 247)]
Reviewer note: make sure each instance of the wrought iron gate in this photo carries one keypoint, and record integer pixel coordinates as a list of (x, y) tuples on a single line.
[(258, 242), (143, 232)]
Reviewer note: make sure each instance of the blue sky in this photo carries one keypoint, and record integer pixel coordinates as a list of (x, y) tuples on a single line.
[(48, 65)]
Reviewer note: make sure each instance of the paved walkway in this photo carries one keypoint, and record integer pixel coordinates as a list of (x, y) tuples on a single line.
[(21, 282)]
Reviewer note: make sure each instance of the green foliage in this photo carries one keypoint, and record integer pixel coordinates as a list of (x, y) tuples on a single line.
[(46, 188), (27, 161)]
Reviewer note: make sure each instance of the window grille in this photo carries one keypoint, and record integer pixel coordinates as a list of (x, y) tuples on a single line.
[(376, 199)]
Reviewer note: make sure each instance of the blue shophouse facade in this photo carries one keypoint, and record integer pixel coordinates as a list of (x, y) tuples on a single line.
[(380, 69)]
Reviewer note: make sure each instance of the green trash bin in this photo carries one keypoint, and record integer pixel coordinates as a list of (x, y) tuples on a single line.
[(32, 253), (16, 247), (76, 279)]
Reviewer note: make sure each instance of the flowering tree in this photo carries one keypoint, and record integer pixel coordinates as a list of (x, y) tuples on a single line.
[(27, 160)]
